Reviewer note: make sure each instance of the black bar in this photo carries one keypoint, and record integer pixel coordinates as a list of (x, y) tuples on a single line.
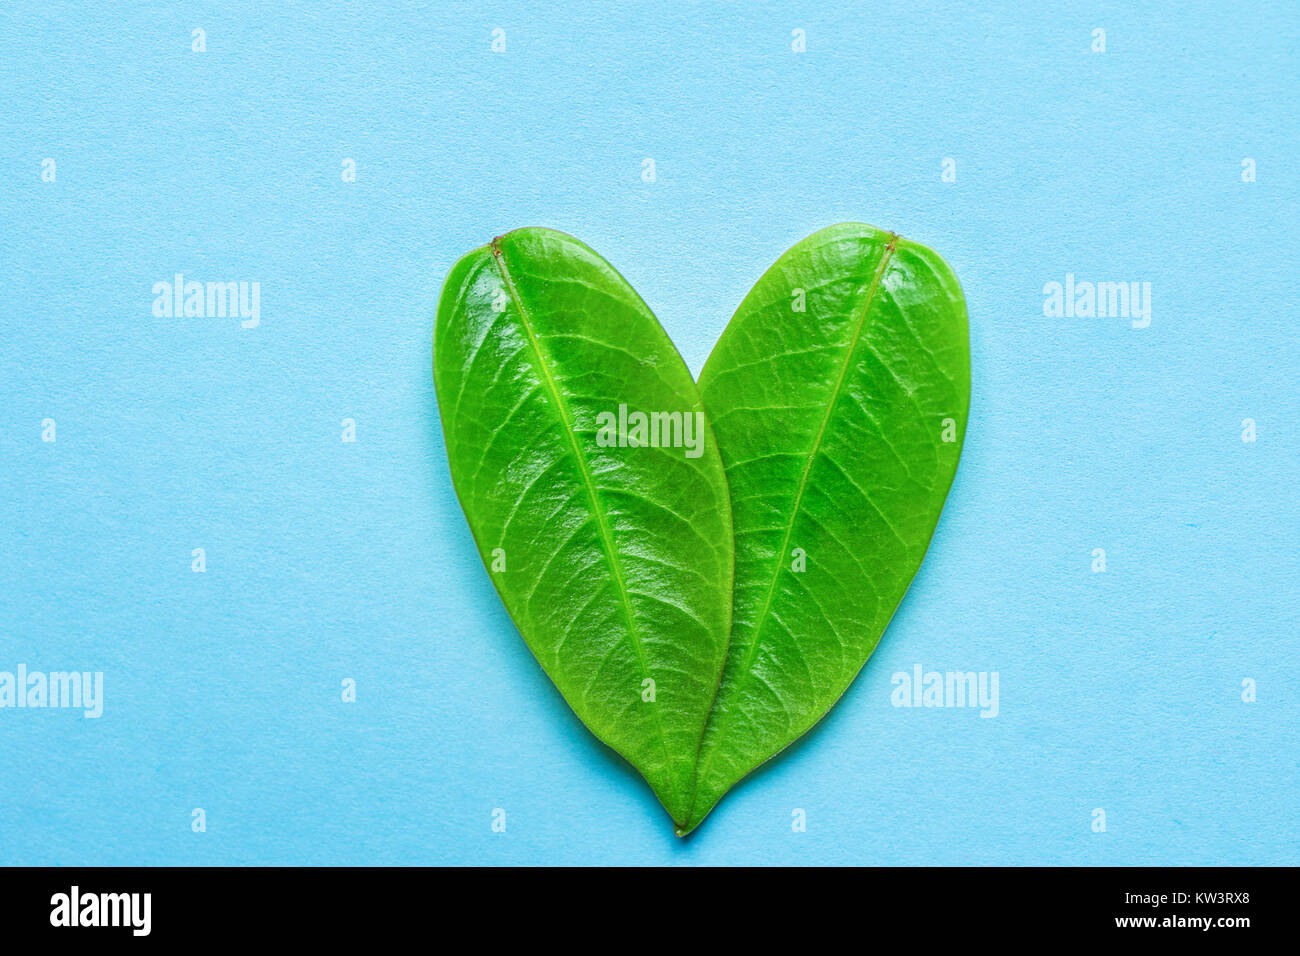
[(333, 906)]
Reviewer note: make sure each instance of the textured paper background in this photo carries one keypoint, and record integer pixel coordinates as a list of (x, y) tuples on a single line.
[(328, 560)]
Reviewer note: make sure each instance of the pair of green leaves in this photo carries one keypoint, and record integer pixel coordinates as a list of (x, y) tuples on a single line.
[(702, 570)]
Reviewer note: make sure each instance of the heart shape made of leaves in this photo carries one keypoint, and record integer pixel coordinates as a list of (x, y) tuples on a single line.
[(702, 569)]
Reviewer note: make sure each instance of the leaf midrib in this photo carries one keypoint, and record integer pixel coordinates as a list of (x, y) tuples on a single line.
[(798, 499), (602, 522)]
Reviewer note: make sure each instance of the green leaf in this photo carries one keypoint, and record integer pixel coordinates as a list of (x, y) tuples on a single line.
[(838, 393), (614, 562)]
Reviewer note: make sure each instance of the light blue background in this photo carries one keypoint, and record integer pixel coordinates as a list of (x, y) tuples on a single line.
[(328, 560)]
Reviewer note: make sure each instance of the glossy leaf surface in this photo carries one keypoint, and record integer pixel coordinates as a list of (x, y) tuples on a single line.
[(614, 562), (839, 394)]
